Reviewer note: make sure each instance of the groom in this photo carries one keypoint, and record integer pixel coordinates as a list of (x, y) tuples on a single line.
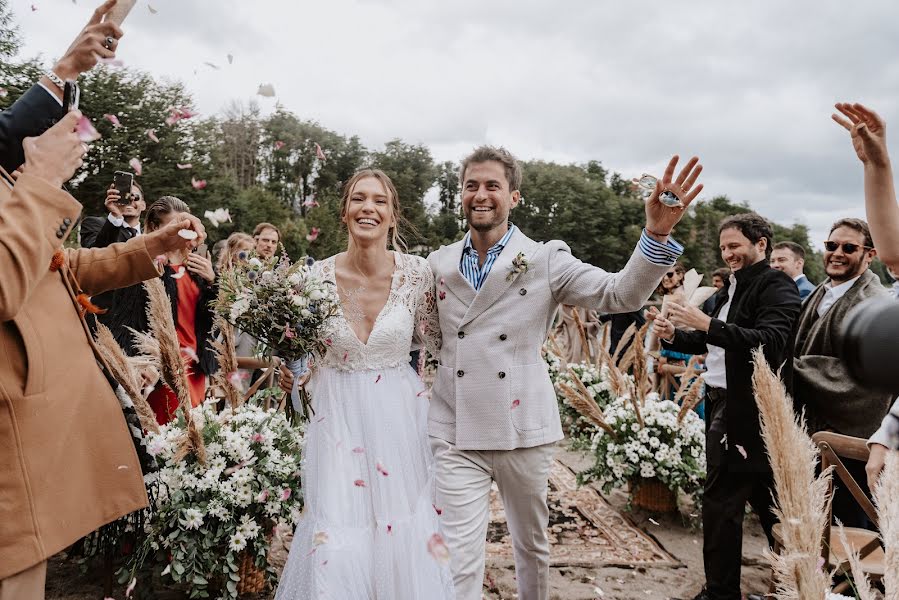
[(493, 413)]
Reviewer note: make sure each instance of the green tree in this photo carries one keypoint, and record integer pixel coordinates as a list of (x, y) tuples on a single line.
[(16, 75)]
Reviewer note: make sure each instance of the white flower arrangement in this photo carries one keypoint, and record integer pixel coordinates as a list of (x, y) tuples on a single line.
[(597, 382), (660, 448), (204, 516)]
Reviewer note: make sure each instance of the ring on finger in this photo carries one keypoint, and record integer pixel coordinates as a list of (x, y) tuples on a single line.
[(108, 42)]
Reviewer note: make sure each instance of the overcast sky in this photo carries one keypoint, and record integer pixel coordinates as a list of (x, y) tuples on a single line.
[(749, 86)]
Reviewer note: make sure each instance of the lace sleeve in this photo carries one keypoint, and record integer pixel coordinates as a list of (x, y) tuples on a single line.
[(427, 323)]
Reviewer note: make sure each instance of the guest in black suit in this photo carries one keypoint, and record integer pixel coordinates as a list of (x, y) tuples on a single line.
[(120, 225), (41, 106), (759, 307)]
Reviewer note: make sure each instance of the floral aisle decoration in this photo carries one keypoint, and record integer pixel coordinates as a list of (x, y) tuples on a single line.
[(648, 446), (596, 380), (205, 521), (282, 304)]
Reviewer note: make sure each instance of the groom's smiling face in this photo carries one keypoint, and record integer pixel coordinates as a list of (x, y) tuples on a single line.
[(486, 197)]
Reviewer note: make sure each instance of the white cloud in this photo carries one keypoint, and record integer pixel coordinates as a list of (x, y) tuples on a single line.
[(748, 87)]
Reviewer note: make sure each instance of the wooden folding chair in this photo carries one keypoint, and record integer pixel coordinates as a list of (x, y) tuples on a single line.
[(833, 447)]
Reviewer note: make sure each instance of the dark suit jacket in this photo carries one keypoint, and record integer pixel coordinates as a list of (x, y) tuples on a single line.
[(764, 309), (31, 115), (98, 232)]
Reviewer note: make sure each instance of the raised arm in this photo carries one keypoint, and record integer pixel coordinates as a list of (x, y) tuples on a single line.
[(868, 134)]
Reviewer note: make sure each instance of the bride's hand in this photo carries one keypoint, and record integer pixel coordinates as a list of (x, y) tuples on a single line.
[(285, 381)]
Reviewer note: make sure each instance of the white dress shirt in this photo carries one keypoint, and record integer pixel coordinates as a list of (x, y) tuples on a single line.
[(716, 373), (120, 222), (833, 293)]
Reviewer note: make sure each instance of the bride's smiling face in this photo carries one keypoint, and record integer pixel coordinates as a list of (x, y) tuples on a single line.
[(369, 211)]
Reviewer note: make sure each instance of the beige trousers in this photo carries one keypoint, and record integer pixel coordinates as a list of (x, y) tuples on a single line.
[(26, 585), (464, 478)]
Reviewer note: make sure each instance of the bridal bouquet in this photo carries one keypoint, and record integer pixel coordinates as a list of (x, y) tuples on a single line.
[(281, 304), (205, 520), (661, 442)]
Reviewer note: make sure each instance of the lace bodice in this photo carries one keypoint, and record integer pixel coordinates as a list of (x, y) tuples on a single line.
[(408, 320)]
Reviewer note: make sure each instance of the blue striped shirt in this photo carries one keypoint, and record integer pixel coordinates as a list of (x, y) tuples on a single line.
[(477, 275), (655, 252)]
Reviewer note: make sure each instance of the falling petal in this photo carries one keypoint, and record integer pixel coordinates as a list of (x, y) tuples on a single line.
[(211, 65), (423, 393), (198, 184), (33, 8), (653, 521), (381, 469), (437, 548), (135, 165), (112, 62), (320, 153), (190, 352), (441, 294), (183, 166), (310, 202), (167, 569), (741, 450), (378, 379), (130, 589), (439, 511), (3, 93), (153, 11), (320, 537), (328, 342), (113, 119), (285, 494), (358, 450), (181, 270), (278, 145), (442, 282), (389, 528), (230, 59), (515, 403), (345, 355), (151, 133), (359, 483), (86, 131), (267, 90), (188, 234)]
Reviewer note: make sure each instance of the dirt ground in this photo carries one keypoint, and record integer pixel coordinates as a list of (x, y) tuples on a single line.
[(674, 534)]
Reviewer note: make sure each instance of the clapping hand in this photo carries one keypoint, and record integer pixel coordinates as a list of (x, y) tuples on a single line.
[(685, 316), (868, 133), (661, 219), (662, 327)]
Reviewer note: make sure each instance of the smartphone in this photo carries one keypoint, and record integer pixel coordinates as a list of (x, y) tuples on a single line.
[(201, 250), (71, 95), (123, 182)]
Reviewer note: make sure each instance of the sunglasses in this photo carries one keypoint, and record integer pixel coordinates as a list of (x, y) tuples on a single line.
[(847, 247), (671, 274)]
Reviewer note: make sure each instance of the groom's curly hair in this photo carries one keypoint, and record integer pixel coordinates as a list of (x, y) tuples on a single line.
[(753, 226), (484, 154)]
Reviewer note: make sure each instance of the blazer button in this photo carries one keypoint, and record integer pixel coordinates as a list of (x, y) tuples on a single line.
[(60, 233), (461, 334), (67, 221), (522, 291), (502, 375), (460, 373), (503, 337)]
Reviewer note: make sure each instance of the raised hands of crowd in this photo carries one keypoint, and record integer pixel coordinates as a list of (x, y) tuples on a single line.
[(660, 217), (56, 154), (867, 130), (112, 201), (98, 40)]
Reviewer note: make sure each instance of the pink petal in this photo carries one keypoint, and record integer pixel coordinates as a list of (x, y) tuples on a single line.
[(257, 437), (441, 294), (389, 528), (439, 511), (130, 589), (112, 62), (378, 379), (358, 450), (262, 497), (310, 203), (442, 282), (319, 152), (136, 166), (278, 145), (328, 342), (285, 494), (741, 450), (437, 548), (313, 234), (33, 8), (3, 93), (359, 483), (345, 355), (86, 131), (151, 133), (180, 273), (113, 119), (183, 166), (198, 184), (236, 378), (381, 469), (515, 403), (190, 352)]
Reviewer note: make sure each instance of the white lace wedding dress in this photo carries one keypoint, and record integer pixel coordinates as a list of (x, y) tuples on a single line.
[(368, 473)]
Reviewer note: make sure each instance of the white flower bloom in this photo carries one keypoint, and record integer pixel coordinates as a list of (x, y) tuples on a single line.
[(237, 543), (193, 518)]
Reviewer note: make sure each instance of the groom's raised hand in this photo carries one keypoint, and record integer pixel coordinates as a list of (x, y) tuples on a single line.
[(661, 219)]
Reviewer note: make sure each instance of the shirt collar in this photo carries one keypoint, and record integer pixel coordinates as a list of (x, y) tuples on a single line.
[(838, 290), (798, 277), (495, 248)]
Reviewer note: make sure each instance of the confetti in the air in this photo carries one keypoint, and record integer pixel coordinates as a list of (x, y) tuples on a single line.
[(130, 589), (198, 184), (310, 202), (741, 450), (313, 234), (278, 145), (266, 90), (86, 131), (378, 379), (3, 93), (381, 469), (515, 403), (230, 59), (33, 8), (441, 294), (358, 450), (180, 273), (113, 119), (153, 11), (320, 153), (151, 133), (439, 511), (179, 113), (135, 165), (112, 62), (437, 548), (359, 483), (187, 350), (211, 65), (184, 166), (218, 216)]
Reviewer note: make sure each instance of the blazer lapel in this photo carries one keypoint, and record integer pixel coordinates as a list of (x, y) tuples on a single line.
[(498, 280), (453, 280)]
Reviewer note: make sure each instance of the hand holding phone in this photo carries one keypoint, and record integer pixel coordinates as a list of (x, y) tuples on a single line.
[(71, 96), (123, 182)]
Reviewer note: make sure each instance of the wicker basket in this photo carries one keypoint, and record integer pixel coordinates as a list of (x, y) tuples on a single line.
[(654, 496), (252, 578)]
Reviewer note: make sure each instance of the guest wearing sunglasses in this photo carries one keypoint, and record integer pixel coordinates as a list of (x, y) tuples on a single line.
[(834, 401), (673, 281)]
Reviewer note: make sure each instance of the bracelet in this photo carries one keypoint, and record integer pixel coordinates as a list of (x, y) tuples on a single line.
[(651, 232), (55, 79)]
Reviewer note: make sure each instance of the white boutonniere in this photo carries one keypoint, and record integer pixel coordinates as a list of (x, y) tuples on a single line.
[(519, 266)]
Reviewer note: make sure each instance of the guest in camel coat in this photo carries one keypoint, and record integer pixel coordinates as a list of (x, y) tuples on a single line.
[(68, 462)]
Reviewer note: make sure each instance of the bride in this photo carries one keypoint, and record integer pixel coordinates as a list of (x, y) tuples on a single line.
[(369, 528)]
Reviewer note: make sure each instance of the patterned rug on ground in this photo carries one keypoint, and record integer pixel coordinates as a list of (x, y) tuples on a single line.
[(584, 529)]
